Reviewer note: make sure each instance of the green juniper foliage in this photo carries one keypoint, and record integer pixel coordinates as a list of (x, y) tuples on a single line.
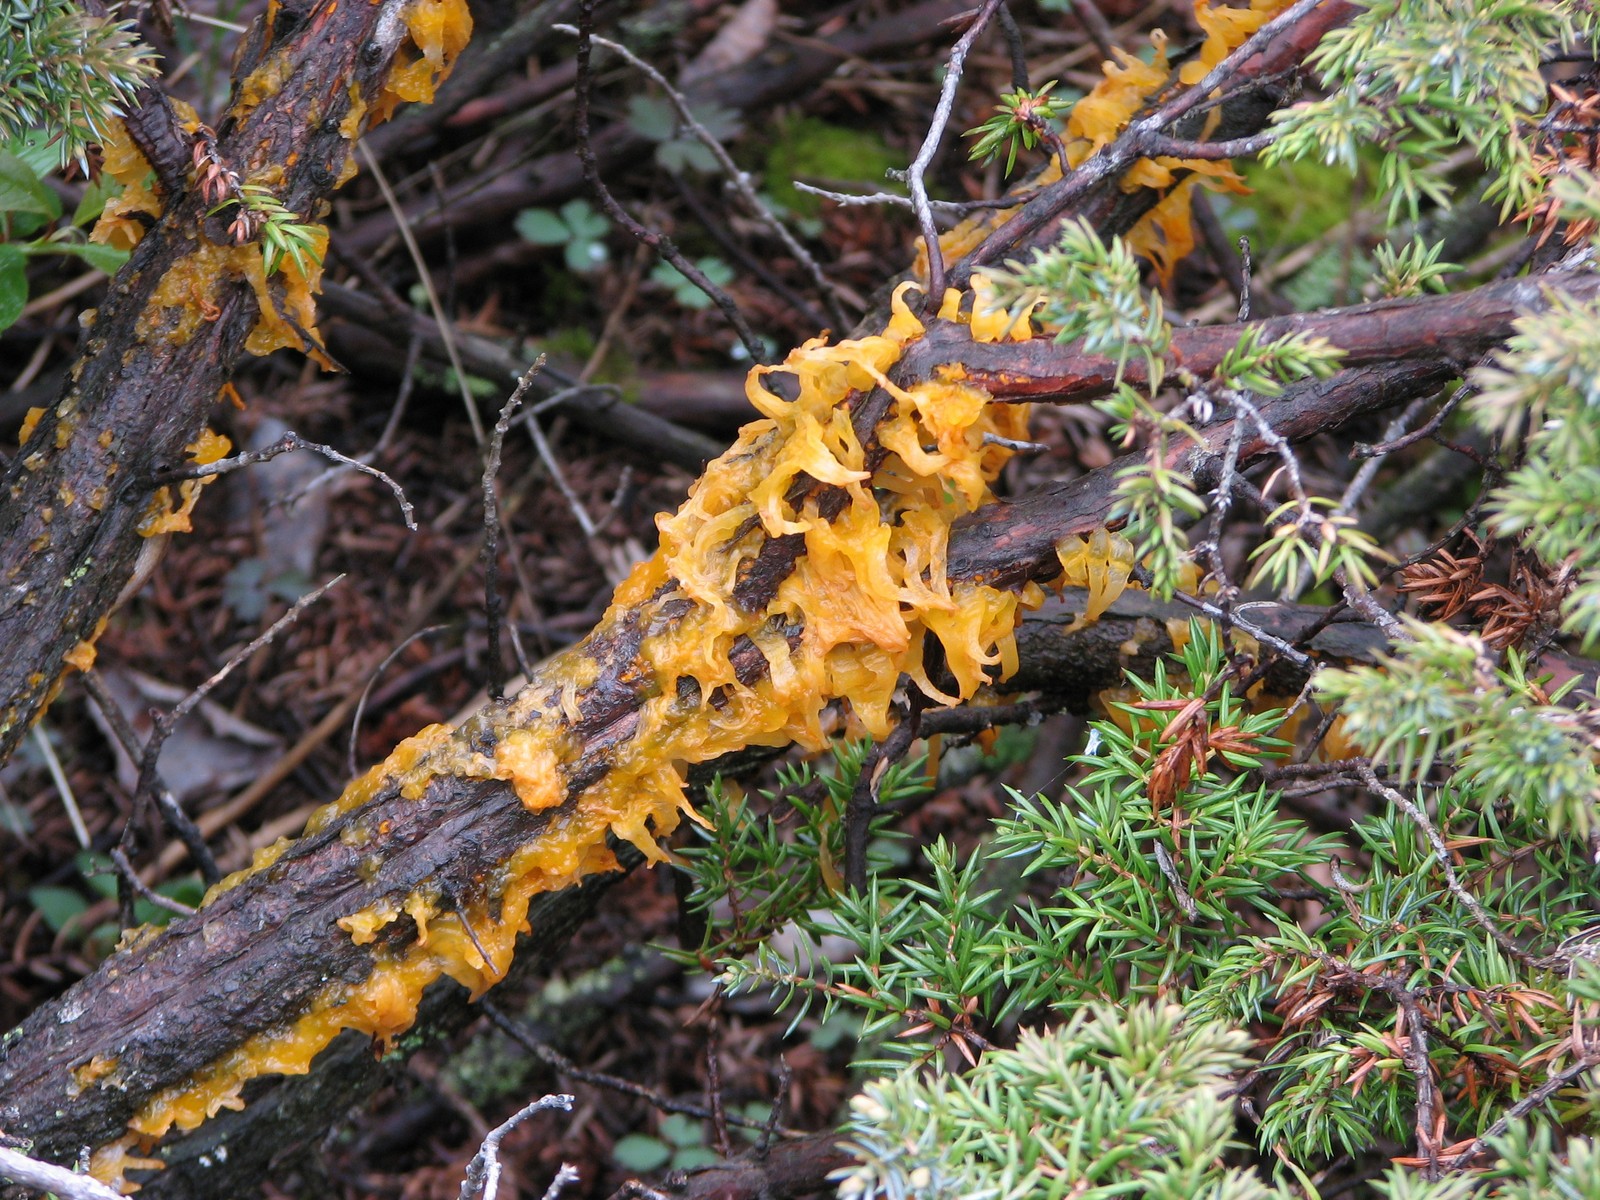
[(1421, 78), (65, 73), (1197, 908), (1086, 1002), (1165, 981), (1542, 393)]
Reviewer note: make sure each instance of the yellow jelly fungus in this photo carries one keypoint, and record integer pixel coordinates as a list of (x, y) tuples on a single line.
[(439, 31), (30, 422), (110, 1163), (850, 618), (119, 223), (1164, 234), (82, 655), (162, 517), (1101, 563)]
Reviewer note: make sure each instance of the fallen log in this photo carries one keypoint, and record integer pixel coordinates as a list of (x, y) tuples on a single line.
[(81, 504), (425, 868)]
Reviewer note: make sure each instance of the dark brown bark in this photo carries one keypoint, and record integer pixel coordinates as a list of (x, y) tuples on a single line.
[(76, 494), (259, 953), (1452, 330)]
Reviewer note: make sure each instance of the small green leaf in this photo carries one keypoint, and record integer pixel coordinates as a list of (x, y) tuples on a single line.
[(57, 905), (692, 1157), (21, 190), (98, 872), (13, 285), (187, 889), (687, 293), (585, 223), (636, 1152), (101, 257), (95, 198), (541, 227), (583, 255), (652, 117), (685, 154), (681, 1130)]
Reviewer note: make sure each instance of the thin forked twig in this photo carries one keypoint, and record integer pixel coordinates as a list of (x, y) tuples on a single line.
[(493, 605), (739, 179), (1441, 854), (482, 1181), (408, 379), (172, 814), (167, 722), (289, 442), (916, 176), (613, 207), (126, 872)]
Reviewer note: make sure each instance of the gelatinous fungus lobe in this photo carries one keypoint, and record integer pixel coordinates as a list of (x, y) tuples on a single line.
[(842, 628)]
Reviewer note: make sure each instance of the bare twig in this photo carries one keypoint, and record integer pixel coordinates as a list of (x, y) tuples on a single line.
[(408, 379), (916, 177), (1298, 657), (1185, 900), (366, 692), (63, 788), (483, 1172), (1244, 278), (559, 1062), (1520, 1109), (1180, 105), (289, 442), (1014, 47), (863, 200), (1394, 441), (172, 814), (1017, 444), (650, 237), (1441, 854), (1430, 1111), (780, 1099), (125, 872), (18, 1168), (493, 605), (863, 803), (1167, 147), (1095, 25), (739, 180), (166, 723)]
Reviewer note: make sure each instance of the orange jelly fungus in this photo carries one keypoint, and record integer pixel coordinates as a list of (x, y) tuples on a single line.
[(1101, 563), (162, 517), (439, 31), (1164, 234), (847, 622)]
